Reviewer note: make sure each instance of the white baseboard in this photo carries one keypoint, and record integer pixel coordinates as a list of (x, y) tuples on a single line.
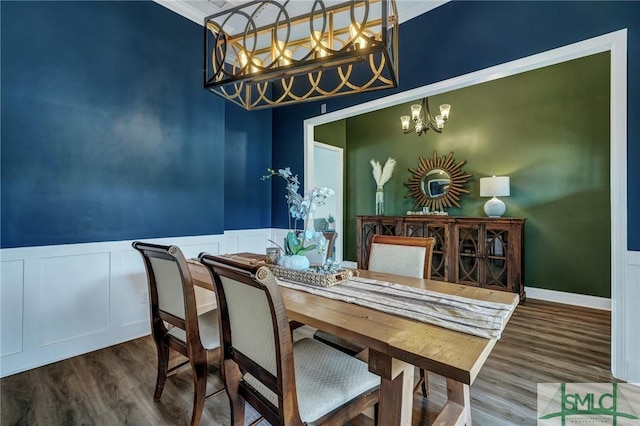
[(349, 264), (584, 300)]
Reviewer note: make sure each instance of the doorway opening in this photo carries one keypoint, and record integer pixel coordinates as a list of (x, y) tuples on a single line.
[(616, 44), (328, 172)]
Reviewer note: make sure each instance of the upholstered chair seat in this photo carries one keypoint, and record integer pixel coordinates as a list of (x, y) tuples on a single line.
[(209, 334), (326, 379)]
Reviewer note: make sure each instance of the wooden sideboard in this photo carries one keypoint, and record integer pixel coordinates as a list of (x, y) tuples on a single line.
[(477, 251)]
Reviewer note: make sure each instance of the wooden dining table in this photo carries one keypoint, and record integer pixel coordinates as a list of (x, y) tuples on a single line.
[(397, 344)]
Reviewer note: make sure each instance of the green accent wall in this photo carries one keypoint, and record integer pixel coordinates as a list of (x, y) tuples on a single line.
[(547, 129), (334, 133)]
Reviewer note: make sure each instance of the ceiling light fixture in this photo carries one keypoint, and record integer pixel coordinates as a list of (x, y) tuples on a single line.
[(423, 120), (328, 49)]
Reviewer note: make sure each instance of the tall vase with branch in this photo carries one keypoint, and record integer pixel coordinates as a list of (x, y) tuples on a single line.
[(381, 175)]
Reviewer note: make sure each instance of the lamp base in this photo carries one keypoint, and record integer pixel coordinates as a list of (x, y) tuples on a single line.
[(494, 207)]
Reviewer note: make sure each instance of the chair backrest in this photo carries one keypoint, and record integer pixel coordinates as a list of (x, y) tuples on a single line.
[(320, 258), (171, 294), (256, 339), (407, 256), (331, 242)]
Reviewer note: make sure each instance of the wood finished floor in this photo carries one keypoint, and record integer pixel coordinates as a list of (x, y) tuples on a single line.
[(543, 342)]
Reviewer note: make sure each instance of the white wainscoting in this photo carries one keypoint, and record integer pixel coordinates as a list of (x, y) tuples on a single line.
[(632, 317), (61, 301), (57, 302)]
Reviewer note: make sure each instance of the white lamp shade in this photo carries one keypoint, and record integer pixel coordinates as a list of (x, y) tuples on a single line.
[(495, 186)]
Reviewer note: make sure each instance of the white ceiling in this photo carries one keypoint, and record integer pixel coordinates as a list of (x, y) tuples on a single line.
[(197, 10)]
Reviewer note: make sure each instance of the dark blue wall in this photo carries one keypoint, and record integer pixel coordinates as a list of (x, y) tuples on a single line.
[(107, 133), (247, 199), (461, 37)]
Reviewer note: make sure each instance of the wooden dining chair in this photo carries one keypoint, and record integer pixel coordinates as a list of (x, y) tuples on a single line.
[(290, 384), (175, 323), (406, 256)]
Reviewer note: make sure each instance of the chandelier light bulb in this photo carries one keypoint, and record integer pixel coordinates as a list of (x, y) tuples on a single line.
[(444, 110), (319, 45), (256, 64), (356, 35), (415, 111), (281, 54), (287, 58), (324, 52), (405, 122), (316, 38), (439, 122), (243, 59)]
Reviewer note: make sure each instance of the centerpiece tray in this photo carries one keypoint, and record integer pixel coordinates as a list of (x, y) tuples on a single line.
[(313, 276)]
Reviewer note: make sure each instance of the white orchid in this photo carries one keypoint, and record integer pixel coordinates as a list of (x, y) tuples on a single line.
[(299, 209)]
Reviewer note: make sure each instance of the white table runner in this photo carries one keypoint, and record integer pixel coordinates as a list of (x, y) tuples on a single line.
[(476, 317)]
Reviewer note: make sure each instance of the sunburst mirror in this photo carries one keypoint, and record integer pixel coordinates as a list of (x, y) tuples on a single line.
[(438, 182)]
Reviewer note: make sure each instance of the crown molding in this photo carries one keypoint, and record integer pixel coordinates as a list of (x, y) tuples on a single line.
[(410, 9), (407, 9), (184, 9)]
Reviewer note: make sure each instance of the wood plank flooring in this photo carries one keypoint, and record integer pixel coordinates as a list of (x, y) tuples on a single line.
[(543, 342)]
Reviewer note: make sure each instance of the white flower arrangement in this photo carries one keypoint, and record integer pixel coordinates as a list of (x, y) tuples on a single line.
[(382, 174), (299, 209)]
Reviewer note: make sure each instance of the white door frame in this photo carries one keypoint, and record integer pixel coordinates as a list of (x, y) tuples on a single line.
[(616, 42)]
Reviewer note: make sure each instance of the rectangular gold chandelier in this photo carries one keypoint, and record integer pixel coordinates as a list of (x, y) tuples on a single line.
[(258, 55)]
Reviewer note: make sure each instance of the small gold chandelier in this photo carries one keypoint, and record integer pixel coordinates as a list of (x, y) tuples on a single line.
[(423, 120), (257, 56)]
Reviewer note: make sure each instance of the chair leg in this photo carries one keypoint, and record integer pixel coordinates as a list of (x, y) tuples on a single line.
[(424, 382), (232, 376), (375, 414), (199, 390), (163, 367)]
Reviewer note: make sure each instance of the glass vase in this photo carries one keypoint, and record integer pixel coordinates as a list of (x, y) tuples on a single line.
[(380, 201)]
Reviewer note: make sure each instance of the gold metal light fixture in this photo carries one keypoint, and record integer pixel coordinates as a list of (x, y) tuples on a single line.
[(265, 53), (421, 120)]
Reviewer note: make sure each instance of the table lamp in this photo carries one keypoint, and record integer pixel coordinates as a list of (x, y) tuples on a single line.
[(494, 186)]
